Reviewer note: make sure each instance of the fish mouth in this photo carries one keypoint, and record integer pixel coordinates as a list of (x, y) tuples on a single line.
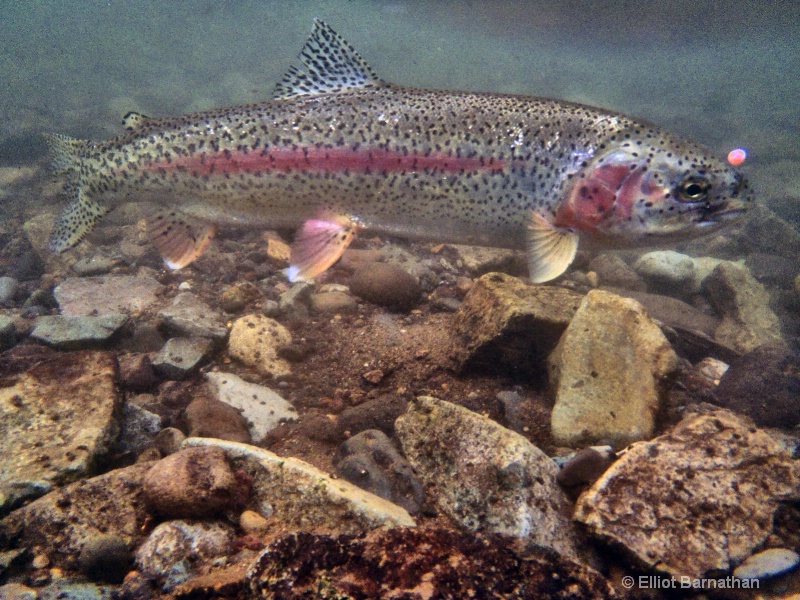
[(724, 212)]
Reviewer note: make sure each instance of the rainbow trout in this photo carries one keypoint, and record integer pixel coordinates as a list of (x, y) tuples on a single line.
[(338, 150)]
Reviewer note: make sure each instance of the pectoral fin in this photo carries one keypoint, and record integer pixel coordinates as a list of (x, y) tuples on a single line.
[(551, 249), (318, 244), (179, 238)]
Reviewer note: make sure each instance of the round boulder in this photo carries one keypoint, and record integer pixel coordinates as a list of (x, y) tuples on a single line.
[(192, 483), (387, 285)]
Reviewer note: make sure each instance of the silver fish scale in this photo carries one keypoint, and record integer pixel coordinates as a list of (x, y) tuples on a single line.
[(541, 143)]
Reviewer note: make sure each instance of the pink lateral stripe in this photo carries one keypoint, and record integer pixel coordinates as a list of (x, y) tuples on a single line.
[(326, 160)]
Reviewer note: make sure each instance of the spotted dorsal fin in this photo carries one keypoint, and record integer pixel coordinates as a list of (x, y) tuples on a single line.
[(134, 120), (329, 64)]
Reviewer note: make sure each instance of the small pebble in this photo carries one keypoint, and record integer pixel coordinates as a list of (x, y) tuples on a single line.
[(766, 564), (252, 522), (8, 287), (105, 557)]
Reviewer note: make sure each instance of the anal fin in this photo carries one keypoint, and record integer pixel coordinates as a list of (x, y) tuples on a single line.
[(551, 249), (318, 244), (179, 238), (79, 217)]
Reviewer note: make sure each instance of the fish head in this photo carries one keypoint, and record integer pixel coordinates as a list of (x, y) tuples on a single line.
[(651, 191)]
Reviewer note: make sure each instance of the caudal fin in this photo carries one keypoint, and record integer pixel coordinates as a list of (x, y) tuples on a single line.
[(81, 213)]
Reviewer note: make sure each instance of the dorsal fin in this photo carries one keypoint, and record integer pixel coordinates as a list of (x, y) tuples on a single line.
[(134, 120), (329, 64)]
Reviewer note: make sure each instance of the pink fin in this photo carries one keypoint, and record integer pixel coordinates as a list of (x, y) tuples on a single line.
[(180, 239), (318, 244)]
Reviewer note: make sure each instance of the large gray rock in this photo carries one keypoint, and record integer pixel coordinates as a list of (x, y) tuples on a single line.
[(748, 322), (83, 296), (609, 371), (58, 421), (506, 323), (483, 476), (76, 333), (263, 408), (255, 341), (303, 497), (188, 316), (696, 500)]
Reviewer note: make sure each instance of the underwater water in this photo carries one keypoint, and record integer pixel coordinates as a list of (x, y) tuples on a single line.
[(724, 73), (387, 336)]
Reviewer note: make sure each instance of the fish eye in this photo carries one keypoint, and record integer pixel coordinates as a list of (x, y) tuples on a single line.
[(693, 189)]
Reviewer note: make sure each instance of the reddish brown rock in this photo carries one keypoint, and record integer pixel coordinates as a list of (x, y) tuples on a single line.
[(192, 483), (410, 563)]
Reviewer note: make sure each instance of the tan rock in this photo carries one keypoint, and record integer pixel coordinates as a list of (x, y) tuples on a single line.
[(608, 372), (696, 500), (255, 340), (58, 421)]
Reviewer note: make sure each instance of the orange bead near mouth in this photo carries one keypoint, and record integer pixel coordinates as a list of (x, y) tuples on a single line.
[(737, 157)]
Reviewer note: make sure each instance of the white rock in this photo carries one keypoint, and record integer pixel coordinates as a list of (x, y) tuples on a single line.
[(303, 497), (263, 408), (769, 563)]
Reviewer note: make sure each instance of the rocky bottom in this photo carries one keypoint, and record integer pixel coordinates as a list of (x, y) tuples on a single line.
[(418, 423)]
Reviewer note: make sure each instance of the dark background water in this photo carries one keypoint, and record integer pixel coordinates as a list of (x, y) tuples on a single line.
[(722, 72)]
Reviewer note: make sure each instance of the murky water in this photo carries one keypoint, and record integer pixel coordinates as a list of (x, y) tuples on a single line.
[(723, 73)]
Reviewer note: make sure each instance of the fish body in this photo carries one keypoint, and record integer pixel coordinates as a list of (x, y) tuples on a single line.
[(338, 150)]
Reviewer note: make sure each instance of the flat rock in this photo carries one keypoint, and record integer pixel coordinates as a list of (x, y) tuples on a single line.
[(255, 341), (748, 322), (303, 497), (263, 408), (334, 302), (483, 476), (504, 323), (62, 522), (95, 265), (698, 499), (479, 260), (188, 316), (609, 371), (418, 563), (58, 421), (76, 333), (82, 296), (181, 356)]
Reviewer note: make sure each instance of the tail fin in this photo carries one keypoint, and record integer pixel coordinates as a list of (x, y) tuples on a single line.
[(65, 153), (81, 213)]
